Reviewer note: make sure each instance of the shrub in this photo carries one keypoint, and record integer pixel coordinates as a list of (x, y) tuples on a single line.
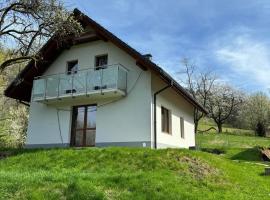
[(260, 129)]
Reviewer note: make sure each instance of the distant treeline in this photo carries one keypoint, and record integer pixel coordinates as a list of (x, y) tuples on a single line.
[(224, 102)]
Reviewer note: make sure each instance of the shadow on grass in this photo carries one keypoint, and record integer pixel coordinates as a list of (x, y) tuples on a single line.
[(252, 154), (217, 151)]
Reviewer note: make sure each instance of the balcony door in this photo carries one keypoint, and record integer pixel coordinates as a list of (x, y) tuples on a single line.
[(84, 126)]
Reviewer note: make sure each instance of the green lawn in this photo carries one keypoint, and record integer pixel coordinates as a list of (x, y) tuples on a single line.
[(207, 123), (235, 147), (129, 173)]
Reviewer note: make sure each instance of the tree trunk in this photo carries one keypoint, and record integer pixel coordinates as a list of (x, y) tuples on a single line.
[(219, 127)]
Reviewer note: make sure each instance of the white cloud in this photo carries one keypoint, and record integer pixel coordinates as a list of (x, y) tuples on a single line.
[(247, 57)]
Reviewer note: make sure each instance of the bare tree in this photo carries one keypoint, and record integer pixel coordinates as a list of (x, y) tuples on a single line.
[(222, 103), (199, 86), (25, 25)]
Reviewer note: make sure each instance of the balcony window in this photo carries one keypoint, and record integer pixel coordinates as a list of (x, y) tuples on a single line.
[(101, 62), (72, 67)]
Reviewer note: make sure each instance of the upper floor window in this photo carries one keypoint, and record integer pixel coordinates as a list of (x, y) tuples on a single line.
[(72, 67), (101, 62), (182, 128), (165, 120)]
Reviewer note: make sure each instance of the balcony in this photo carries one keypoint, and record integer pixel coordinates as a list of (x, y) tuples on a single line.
[(108, 82)]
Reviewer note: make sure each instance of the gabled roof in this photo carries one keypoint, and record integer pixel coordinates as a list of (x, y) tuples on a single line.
[(21, 87)]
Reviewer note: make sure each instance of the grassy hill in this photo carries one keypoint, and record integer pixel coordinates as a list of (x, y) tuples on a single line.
[(233, 143), (131, 173), (207, 123), (235, 147)]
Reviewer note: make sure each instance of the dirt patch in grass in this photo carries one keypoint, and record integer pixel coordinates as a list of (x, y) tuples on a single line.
[(198, 168), (191, 165)]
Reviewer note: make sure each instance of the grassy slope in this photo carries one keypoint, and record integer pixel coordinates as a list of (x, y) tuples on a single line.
[(207, 123), (129, 173), (235, 147), (237, 144)]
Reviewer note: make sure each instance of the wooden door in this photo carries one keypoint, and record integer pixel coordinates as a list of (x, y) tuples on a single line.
[(84, 126)]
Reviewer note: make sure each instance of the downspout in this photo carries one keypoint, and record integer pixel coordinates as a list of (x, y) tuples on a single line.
[(155, 111)]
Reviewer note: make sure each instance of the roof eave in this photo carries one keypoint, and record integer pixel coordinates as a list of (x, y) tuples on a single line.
[(104, 34)]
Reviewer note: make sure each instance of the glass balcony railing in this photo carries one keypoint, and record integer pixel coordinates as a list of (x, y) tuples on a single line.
[(84, 82)]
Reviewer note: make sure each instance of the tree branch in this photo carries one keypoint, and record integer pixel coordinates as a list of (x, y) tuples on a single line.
[(15, 60)]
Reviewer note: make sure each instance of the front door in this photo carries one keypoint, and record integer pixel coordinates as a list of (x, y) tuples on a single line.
[(84, 126)]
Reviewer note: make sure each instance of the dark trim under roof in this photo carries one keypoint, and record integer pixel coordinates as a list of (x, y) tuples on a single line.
[(21, 87)]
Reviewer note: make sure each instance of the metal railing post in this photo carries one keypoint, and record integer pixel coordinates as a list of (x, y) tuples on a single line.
[(45, 91), (72, 84), (58, 93), (117, 78), (126, 85), (101, 82), (86, 82)]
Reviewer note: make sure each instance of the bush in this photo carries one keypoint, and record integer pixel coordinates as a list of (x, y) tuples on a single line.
[(260, 129)]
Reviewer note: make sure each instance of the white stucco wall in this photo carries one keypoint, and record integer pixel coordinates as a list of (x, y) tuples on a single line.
[(122, 122), (43, 126), (179, 107), (125, 120)]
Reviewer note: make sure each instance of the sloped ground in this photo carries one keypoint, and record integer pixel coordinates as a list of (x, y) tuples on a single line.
[(128, 173), (207, 123), (235, 147)]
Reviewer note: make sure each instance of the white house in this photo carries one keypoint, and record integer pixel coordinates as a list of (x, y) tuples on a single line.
[(95, 90)]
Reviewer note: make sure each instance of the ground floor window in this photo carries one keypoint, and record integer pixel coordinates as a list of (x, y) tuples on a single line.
[(182, 128), (165, 120)]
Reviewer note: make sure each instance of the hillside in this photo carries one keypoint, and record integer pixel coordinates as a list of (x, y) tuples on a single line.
[(235, 147), (233, 143), (207, 123), (128, 173)]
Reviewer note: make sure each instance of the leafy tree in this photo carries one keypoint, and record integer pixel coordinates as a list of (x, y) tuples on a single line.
[(223, 101), (257, 113), (25, 25), (13, 115), (237, 119)]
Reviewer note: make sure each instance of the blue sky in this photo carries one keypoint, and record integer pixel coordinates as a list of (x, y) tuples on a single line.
[(229, 37)]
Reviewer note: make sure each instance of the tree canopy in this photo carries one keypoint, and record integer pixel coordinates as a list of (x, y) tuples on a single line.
[(25, 25)]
